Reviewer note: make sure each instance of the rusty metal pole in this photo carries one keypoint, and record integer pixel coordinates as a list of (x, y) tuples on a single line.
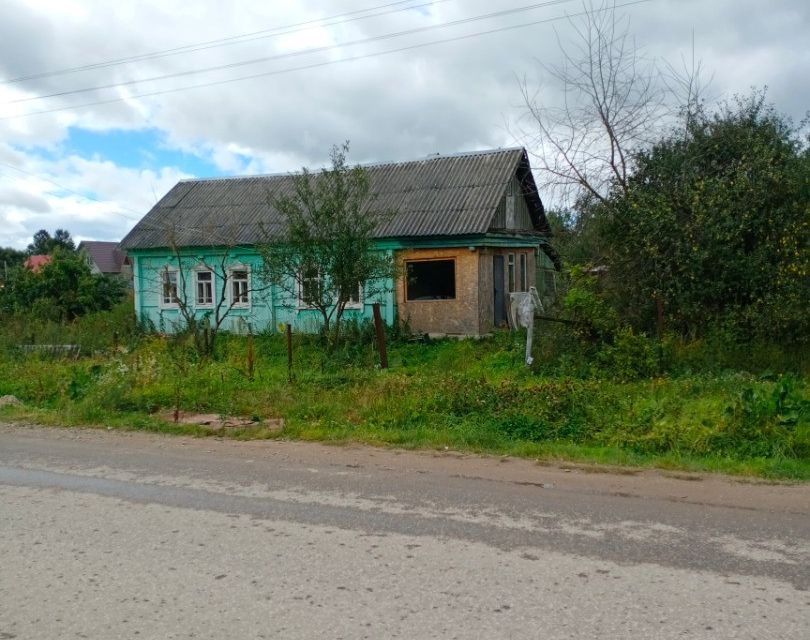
[(378, 325), (289, 352)]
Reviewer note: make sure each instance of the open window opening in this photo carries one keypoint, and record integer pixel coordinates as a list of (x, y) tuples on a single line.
[(431, 280)]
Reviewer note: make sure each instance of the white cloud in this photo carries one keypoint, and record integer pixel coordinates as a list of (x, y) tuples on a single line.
[(445, 98)]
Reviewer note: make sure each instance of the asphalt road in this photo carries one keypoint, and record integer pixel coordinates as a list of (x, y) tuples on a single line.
[(124, 535)]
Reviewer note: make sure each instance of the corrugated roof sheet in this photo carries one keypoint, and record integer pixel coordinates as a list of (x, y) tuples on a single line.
[(436, 196), (107, 256)]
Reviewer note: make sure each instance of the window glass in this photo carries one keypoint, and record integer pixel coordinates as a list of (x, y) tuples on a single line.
[(355, 295), (523, 283), (240, 291), (549, 281), (511, 271), (310, 287), (431, 280), (169, 288)]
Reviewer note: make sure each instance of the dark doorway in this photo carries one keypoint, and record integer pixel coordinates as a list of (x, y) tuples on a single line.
[(500, 299)]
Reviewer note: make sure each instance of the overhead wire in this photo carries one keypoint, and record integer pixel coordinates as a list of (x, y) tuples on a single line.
[(74, 192), (230, 40), (293, 54), (276, 72)]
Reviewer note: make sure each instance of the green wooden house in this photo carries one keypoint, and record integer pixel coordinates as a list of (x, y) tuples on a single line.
[(468, 228)]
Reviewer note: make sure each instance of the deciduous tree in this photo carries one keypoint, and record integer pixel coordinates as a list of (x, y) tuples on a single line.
[(324, 254)]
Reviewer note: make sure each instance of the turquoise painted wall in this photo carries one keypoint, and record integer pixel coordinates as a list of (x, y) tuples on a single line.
[(269, 306), (272, 306)]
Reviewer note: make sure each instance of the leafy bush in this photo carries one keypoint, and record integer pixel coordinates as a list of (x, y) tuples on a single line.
[(61, 291), (630, 356)]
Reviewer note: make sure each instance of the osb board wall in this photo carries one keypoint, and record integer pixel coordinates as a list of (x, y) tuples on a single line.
[(486, 319), (455, 317)]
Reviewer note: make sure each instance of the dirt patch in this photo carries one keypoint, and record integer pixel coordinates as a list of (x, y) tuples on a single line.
[(6, 401), (216, 421)]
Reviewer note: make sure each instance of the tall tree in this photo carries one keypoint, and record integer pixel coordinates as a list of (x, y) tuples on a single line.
[(324, 254), (44, 244), (715, 222)]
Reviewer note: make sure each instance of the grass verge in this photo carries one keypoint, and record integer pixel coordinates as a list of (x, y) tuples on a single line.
[(470, 396)]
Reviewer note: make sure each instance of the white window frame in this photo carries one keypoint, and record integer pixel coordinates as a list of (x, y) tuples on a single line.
[(164, 280), (231, 281), (197, 303), (299, 286)]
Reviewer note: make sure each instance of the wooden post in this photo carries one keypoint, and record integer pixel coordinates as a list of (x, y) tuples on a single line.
[(378, 325), (659, 318), (289, 352), (659, 331)]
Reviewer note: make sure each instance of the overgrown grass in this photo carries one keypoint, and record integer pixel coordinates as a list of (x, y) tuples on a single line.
[(469, 395)]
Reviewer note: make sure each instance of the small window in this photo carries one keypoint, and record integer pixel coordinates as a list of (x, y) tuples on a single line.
[(510, 261), (240, 288), (431, 280), (524, 285), (311, 288), (168, 288), (549, 281), (205, 289)]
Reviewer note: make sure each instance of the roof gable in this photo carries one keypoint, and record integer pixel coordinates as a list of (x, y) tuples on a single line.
[(106, 255), (436, 196)]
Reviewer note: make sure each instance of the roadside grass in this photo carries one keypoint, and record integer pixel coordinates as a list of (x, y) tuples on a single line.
[(472, 395)]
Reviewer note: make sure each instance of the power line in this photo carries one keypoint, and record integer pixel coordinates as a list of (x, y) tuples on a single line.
[(230, 40), (78, 193), (293, 54), (314, 65)]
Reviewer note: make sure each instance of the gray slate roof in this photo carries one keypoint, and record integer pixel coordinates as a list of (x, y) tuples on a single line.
[(107, 256), (437, 196)]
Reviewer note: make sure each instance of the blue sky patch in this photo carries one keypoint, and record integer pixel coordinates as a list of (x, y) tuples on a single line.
[(142, 149)]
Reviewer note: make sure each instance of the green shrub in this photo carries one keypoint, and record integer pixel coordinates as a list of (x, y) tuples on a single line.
[(630, 356)]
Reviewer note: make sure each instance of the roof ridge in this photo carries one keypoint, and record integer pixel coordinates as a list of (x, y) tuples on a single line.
[(366, 165)]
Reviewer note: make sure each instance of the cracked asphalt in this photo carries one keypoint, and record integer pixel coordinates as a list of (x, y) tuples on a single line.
[(129, 535)]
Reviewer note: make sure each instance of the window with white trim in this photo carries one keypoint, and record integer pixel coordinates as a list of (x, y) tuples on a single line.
[(204, 289), (168, 288), (310, 287), (240, 287)]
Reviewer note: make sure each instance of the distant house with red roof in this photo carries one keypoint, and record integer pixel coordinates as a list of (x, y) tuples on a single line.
[(35, 263)]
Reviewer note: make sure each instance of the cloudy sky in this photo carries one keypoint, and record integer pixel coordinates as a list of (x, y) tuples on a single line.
[(106, 105)]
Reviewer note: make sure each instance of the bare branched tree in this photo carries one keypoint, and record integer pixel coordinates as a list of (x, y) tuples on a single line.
[(612, 102), (687, 85)]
